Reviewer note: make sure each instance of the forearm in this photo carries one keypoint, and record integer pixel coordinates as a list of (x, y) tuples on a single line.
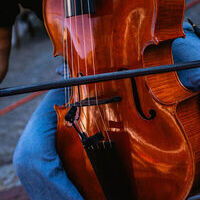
[(5, 46)]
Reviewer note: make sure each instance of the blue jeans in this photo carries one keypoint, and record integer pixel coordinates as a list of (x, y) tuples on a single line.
[(186, 50), (36, 161)]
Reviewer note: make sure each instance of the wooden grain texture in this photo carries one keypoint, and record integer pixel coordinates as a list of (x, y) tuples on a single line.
[(157, 154), (188, 113)]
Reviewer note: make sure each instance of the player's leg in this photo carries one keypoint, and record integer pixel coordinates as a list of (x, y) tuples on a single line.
[(186, 50), (35, 160)]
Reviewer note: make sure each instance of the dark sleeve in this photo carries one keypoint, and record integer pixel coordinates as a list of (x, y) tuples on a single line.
[(8, 12)]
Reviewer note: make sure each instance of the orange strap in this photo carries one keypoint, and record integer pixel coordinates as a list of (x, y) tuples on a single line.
[(193, 3), (20, 102)]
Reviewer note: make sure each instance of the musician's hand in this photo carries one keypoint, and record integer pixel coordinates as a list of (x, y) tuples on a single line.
[(5, 45)]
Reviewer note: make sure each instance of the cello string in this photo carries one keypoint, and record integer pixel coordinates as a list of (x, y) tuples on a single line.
[(76, 98), (64, 54), (86, 66), (66, 69), (72, 56), (94, 70), (78, 65), (79, 128), (86, 91), (65, 48), (67, 75), (82, 13), (76, 30)]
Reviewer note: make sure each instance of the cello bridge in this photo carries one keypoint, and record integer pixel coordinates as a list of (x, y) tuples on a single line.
[(93, 101)]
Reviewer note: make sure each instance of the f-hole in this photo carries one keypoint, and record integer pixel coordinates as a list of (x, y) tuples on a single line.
[(152, 112)]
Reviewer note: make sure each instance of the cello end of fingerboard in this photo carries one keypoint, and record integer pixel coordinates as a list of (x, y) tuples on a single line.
[(78, 7)]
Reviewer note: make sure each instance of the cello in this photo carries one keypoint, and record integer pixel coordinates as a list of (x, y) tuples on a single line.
[(150, 124)]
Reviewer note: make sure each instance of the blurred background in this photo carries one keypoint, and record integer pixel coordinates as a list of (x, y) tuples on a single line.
[(31, 62)]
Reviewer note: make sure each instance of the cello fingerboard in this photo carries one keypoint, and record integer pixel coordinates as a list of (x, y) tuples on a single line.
[(78, 7)]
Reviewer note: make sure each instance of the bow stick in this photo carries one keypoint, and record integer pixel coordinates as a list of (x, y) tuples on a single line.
[(98, 78)]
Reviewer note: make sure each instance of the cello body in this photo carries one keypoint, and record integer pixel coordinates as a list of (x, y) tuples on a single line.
[(159, 150)]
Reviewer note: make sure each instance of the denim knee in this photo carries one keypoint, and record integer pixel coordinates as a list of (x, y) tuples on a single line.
[(34, 147), (190, 79), (22, 159), (186, 50)]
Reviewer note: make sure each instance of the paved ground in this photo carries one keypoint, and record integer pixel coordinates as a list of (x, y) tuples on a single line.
[(32, 63), (15, 193)]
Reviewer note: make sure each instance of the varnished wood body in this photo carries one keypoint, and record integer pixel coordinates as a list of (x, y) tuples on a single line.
[(160, 154)]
